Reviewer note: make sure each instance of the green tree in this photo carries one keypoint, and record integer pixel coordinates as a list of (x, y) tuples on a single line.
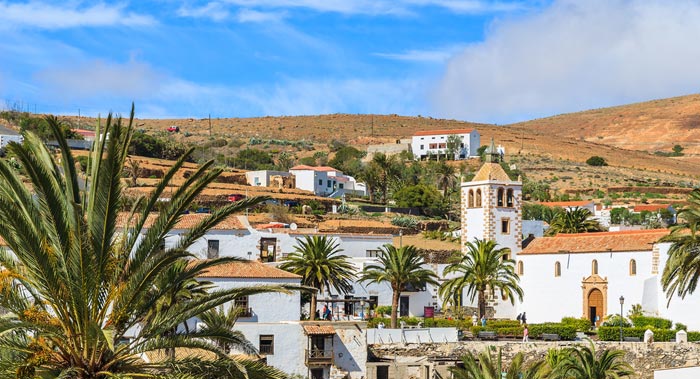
[(682, 270), (388, 170), (319, 262), (583, 362), (489, 366), (402, 269), (596, 161), (347, 159), (445, 177), (483, 267), (284, 161), (454, 145), (252, 159), (78, 280), (677, 150), (534, 211), (533, 190), (577, 220), (421, 196)]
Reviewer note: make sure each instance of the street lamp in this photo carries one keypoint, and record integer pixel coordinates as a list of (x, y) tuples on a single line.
[(622, 302)]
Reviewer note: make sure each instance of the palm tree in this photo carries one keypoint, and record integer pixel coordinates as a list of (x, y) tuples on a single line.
[(577, 220), (319, 262), (220, 323), (401, 268), (583, 362), (488, 366), (682, 270), (445, 177), (387, 170), (77, 284), (483, 268)]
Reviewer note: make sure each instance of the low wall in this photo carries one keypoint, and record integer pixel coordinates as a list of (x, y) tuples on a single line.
[(411, 335), (644, 358)]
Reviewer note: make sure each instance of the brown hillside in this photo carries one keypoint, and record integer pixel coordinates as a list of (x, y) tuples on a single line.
[(649, 126)]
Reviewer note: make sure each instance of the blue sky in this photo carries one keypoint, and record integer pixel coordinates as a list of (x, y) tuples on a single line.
[(488, 61)]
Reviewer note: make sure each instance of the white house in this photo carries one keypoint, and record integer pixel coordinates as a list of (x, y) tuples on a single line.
[(9, 135), (434, 143), (326, 181), (579, 275), (571, 205)]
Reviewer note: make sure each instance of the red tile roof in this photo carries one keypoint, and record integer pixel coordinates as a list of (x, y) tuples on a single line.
[(314, 168), (629, 240), (319, 330), (491, 171), (565, 204), (444, 131), (650, 207), (187, 221), (248, 269)]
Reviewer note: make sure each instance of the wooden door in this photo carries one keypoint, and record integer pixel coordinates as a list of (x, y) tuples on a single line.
[(595, 306)]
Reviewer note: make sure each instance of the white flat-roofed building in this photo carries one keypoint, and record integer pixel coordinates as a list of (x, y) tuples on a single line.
[(427, 143)]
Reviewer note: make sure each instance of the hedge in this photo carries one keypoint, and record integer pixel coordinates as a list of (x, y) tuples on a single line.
[(612, 333), (565, 332), (651, 322), (581, 324)]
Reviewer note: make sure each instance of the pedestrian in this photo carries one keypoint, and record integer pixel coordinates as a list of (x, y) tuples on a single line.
[(523, 319), (483, 321), (475, 319), (526, 334), (323, 313), (520, 318)]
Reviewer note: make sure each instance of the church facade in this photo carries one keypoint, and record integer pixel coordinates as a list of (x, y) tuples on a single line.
[(578, 275)]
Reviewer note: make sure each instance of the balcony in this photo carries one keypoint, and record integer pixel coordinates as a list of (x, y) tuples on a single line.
[(318, 357)]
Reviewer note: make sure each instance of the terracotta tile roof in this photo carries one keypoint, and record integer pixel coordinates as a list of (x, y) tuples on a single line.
[(317, 330), (249, 269), (491, 171), (187, 221), (443, 131), (314, 168), (565, 204), (629, 240), (650, 207)]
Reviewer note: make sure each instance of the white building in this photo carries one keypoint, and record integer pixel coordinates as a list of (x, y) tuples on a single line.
[(576, 275), (434, 143), (9, 135), (326, 181), (571, 205)]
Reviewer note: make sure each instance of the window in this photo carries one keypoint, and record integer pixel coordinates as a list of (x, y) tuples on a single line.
[(432, 146), (557, 269), (372, 253), (268, 247), (382, 372), (500, 196), (328, 183), (633, 267), (243, 305), (509, 198), (320, 182), (594, 267), (478, 198), (442, 145), (212, 249), (422, 146), (340, 185), (470, 203), (521, 269), (267, 344), (505, 226)]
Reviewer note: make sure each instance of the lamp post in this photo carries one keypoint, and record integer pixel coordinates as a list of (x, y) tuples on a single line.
[(622, 302)]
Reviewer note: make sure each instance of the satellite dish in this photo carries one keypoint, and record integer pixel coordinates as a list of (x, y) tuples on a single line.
[(293, 226)]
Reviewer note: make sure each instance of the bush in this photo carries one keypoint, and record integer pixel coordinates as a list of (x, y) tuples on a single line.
[(581, 324), (565, 332), (651, 322), (420, 195), (680, 326), (596, 161), (611, 333), (496, 324), (383, 310), (405, 222)]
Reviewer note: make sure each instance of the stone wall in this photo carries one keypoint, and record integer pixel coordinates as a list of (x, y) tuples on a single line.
[(644, 358)]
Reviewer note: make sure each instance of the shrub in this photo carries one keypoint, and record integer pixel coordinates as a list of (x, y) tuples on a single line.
[(565, 332), (596, 161), (680, 326), (612, 333), (405, 222), (651, 322), (581, 324), (383, 309), (496, 324)]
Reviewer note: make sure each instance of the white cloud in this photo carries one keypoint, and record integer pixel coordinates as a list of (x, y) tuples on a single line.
[(575, 55), (427, 56), (218, 10), (99, 79), (43, 15), (249, 15)]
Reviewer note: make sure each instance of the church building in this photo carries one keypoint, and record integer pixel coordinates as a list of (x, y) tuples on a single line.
[(588, 275)]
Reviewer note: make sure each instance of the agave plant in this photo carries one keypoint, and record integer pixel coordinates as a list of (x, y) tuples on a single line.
[(88, 298)]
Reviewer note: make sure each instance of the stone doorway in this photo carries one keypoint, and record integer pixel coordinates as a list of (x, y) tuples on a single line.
[(595, 298)]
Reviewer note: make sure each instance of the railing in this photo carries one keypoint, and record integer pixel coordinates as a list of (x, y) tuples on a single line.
[(245, 312), (317, 356)]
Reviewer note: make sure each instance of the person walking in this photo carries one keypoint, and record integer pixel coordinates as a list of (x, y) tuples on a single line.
[(523, 319), (324, 312), (483, 321), (520, 318), (475, 319), (526, 334)]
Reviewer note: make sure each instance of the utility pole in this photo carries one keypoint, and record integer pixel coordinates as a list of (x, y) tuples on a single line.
[(372, 134), (209, 124)]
